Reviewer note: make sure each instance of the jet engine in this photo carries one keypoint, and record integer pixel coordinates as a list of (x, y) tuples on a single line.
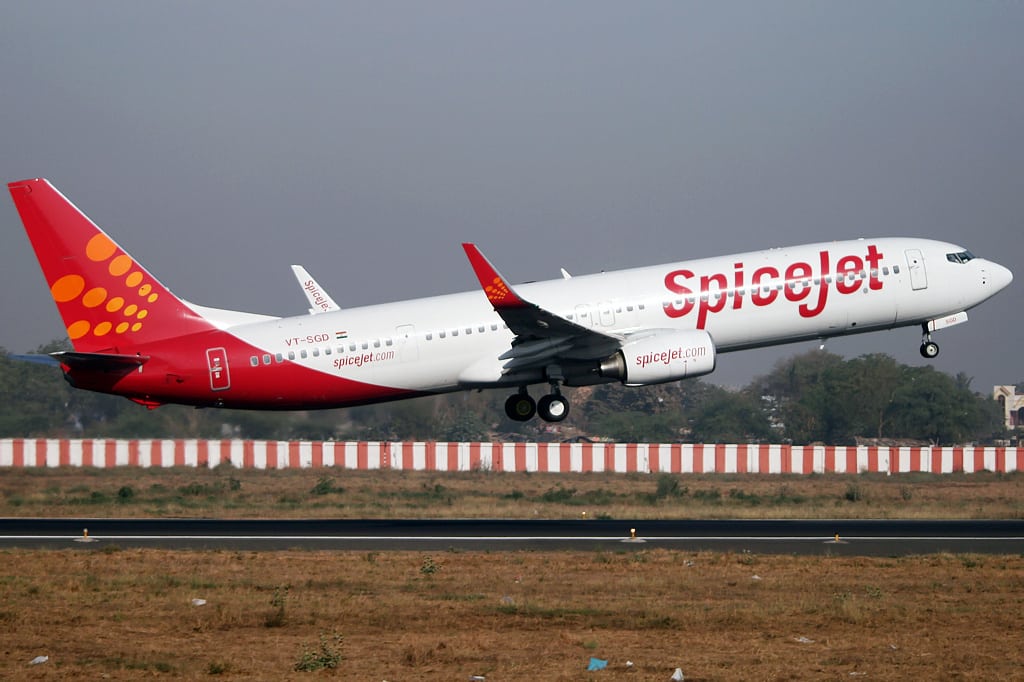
[(661, 357)]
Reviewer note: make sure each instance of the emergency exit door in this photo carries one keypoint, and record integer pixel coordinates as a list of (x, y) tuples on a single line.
[(217, 360)]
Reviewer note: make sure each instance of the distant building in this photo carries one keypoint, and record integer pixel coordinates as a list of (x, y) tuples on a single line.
[(1012, 404)]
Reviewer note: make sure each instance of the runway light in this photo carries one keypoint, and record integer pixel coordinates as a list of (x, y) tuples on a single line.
[(632, 533), (85, 536)]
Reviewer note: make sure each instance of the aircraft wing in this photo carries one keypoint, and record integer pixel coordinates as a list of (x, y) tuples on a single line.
[(542, 337)]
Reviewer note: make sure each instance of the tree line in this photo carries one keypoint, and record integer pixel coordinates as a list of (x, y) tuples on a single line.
[(814, 397)]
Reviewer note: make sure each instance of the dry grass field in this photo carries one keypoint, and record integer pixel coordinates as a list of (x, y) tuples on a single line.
[(128, 614), (226, 492), (102, 612)]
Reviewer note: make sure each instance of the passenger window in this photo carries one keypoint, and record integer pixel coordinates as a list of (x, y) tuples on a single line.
[(266, 359), (316, 352), (280, 357), (254, 361), (291, 355), (430, 336), (896, 269), (303, 354)]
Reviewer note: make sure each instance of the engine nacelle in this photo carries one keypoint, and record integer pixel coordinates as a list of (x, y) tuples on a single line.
[(666, 356)]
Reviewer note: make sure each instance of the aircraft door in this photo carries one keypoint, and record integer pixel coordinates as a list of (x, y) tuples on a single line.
[(217, 361), (583, 316), (405, 342), (915, 263)]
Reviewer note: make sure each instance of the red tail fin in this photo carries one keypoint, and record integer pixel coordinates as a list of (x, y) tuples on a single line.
[(107, 300)]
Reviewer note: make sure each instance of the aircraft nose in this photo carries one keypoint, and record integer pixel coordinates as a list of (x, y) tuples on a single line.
[(998, 276)]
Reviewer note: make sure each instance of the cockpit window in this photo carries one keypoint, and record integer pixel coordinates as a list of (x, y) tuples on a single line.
[(961, 257)]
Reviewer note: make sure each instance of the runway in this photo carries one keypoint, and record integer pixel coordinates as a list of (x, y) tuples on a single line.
[(810, 537)]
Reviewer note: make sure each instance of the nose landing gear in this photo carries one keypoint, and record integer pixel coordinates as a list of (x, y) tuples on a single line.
[(929, 349)]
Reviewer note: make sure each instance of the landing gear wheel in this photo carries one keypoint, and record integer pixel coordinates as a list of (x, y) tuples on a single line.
[(553, 408), (520, 407), (929, 349)]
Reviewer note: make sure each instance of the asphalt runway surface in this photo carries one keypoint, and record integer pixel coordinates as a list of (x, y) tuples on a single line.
[(811, 537)]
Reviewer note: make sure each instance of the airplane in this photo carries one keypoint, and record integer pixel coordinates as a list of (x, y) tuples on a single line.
[(132, 337)]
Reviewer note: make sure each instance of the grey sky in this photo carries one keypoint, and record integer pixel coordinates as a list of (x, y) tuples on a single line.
[(219, 142)]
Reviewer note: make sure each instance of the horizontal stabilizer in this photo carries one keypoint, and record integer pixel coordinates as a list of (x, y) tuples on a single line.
[(99, 362), (36, 358)]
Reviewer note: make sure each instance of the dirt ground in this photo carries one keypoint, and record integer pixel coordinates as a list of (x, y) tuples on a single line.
[(99, 611), (128, 614)]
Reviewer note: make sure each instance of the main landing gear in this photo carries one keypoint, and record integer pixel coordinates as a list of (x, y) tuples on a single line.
[(553, 407), (929, 349)]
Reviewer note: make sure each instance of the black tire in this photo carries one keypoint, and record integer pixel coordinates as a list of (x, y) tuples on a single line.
[(553, 408), (520, 407), (929, 349)]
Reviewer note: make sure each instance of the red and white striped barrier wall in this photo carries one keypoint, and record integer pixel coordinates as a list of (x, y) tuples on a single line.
[(552, 457)]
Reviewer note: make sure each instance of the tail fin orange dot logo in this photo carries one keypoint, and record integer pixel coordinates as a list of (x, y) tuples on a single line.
[(100, 248), (67, 288), (78, 329), (98, 294), (94, 297), (120, 265)]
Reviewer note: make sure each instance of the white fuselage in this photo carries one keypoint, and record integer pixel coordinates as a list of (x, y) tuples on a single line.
[(743, 301)]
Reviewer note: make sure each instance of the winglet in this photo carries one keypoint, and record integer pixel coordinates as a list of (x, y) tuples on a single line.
[(319, 300), (498, 291)]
